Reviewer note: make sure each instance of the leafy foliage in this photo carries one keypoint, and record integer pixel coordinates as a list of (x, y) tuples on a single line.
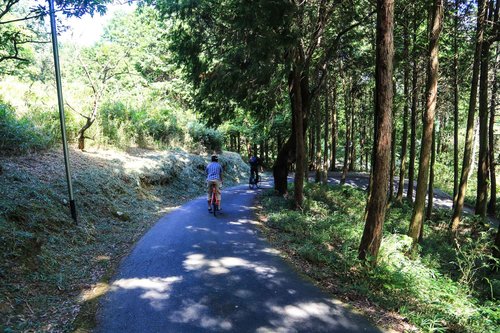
[(206, 137), (19, 136)]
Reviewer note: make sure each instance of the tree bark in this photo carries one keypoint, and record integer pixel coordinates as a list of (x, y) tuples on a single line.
[(299, 139), (428, 118), (404, 139), (482, 169), (430, 193), (393, 151), (324, 171), (352, 153), (457, 210), (492, 157), (318, 160), (312, 144), (334, 127), (376, 206), (413, 121), (393, 164), (455, 105), (347, 136)]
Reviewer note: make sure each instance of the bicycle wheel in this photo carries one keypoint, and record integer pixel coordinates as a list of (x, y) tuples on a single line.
[(214, 207)]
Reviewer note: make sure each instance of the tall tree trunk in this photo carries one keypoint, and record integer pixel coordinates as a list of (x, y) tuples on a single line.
[(393, 158), (352, 152), (376, 206), (475, 146), (457, 210), (334, 127), (482, 169), (312, 143), (362, 140), (492, 157), (324, 174), (317, 123), (299, 138), (347, 137), (413, 121), (430, 194), (404, 139), (455, 105), (393, 150), (428, 118)]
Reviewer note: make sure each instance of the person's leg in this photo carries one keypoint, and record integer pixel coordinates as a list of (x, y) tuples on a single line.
[(209, 191), (218, 183)]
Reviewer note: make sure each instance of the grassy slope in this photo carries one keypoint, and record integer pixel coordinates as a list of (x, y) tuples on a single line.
[(53, 270)]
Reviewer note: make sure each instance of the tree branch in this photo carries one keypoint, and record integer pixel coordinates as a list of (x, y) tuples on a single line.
[(16, 50), (321, 67)]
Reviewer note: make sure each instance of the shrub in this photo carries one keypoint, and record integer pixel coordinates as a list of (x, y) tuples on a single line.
[(19, 136), (121, 125), (208, 138)]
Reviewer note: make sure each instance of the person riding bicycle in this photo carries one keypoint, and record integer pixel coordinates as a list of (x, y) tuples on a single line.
[(254, 168), (214, 176)]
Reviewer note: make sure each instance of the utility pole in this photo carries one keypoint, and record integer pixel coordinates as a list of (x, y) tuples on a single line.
[(55, 49)]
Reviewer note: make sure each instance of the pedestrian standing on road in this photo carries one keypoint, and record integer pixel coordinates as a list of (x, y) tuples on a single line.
[(214, 176)]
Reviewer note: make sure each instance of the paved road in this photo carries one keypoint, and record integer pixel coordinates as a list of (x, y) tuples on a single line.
[(193, 272)]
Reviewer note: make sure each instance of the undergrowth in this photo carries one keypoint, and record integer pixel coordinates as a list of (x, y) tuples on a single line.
[(445, 287)]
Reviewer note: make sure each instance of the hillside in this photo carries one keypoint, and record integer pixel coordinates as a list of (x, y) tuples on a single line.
[(51, 268)]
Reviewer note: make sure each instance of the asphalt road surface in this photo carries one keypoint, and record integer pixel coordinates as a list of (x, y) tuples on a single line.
[(193, 272)]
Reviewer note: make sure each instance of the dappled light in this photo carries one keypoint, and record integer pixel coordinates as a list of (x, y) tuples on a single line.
[(197, 312), (224, 265), (292, 315), (154, 289), (95, 291)]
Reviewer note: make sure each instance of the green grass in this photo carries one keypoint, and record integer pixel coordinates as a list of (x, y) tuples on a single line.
[(442, 288)]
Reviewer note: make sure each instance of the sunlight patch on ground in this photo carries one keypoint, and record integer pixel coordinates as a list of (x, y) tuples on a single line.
[(243, 221), (95, 291), (196, 312), (224, 265), (190, 227), (291, 316), (270, 250), (156, 289)]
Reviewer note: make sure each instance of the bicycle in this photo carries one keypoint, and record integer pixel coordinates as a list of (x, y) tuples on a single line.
[(254, 182), (214, 202)]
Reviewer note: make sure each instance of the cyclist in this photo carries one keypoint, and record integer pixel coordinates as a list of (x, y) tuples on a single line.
[(214, 176), (254, 168)]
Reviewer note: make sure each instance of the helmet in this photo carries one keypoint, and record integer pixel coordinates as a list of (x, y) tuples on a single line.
[(215, 158)]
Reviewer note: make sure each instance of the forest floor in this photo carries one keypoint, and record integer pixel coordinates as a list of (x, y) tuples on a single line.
[(53, 270)]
